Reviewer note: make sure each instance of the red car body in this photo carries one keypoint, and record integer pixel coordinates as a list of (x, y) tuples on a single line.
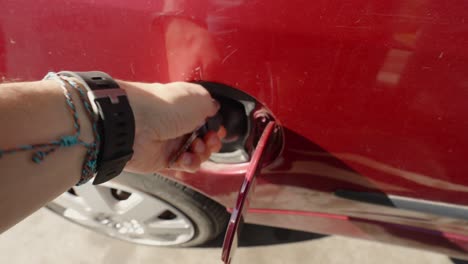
[(371, 96)]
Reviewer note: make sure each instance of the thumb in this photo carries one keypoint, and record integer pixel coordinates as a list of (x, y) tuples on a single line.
[(208, 108), (191, 105)]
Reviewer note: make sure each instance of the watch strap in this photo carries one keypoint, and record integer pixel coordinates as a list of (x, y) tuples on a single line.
[(116, 122)]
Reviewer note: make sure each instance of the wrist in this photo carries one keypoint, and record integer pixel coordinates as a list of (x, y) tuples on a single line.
[(141, 99), (114, 123), (85, 120)]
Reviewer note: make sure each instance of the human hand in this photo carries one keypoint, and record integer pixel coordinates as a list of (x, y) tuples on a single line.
[(164, 114)]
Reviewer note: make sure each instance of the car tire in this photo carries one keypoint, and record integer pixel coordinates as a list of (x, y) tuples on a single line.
[(208, 217), (204, 218)]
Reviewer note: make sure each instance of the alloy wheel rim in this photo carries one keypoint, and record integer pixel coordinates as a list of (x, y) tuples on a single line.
[(125, 213)]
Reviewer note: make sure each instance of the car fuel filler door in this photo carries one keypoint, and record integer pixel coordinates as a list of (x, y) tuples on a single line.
[(255, 165)]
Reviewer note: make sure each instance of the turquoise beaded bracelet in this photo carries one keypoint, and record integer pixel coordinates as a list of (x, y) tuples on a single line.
[(42, 150)]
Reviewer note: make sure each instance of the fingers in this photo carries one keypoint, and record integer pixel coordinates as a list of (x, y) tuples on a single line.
[(188, 162), (213, 141), (200, 151), (200, 148), (222, 132)]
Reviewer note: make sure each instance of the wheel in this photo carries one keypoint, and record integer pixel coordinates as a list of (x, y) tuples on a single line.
[(144, 209)]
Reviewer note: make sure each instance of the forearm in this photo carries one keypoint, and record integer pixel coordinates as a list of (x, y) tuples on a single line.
[(37, 112), (32, 113)]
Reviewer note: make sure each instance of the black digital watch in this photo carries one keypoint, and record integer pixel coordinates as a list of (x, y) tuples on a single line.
[(116, 123)]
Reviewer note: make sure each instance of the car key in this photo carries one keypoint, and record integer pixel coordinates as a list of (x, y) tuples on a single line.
[(212, 124)]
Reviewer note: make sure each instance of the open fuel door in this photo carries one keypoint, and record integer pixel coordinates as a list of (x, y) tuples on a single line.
[(259, 155)]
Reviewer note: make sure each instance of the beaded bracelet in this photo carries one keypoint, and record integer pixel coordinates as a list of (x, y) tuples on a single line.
[(89, 166), (44, 149)]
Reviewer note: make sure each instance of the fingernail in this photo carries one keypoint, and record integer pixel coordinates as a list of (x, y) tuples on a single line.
[(216, 103), (186, 160), (199, 147)]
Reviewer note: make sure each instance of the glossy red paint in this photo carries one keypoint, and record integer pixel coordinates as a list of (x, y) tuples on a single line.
[(371, 94), (443, 242), (301, 213)]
